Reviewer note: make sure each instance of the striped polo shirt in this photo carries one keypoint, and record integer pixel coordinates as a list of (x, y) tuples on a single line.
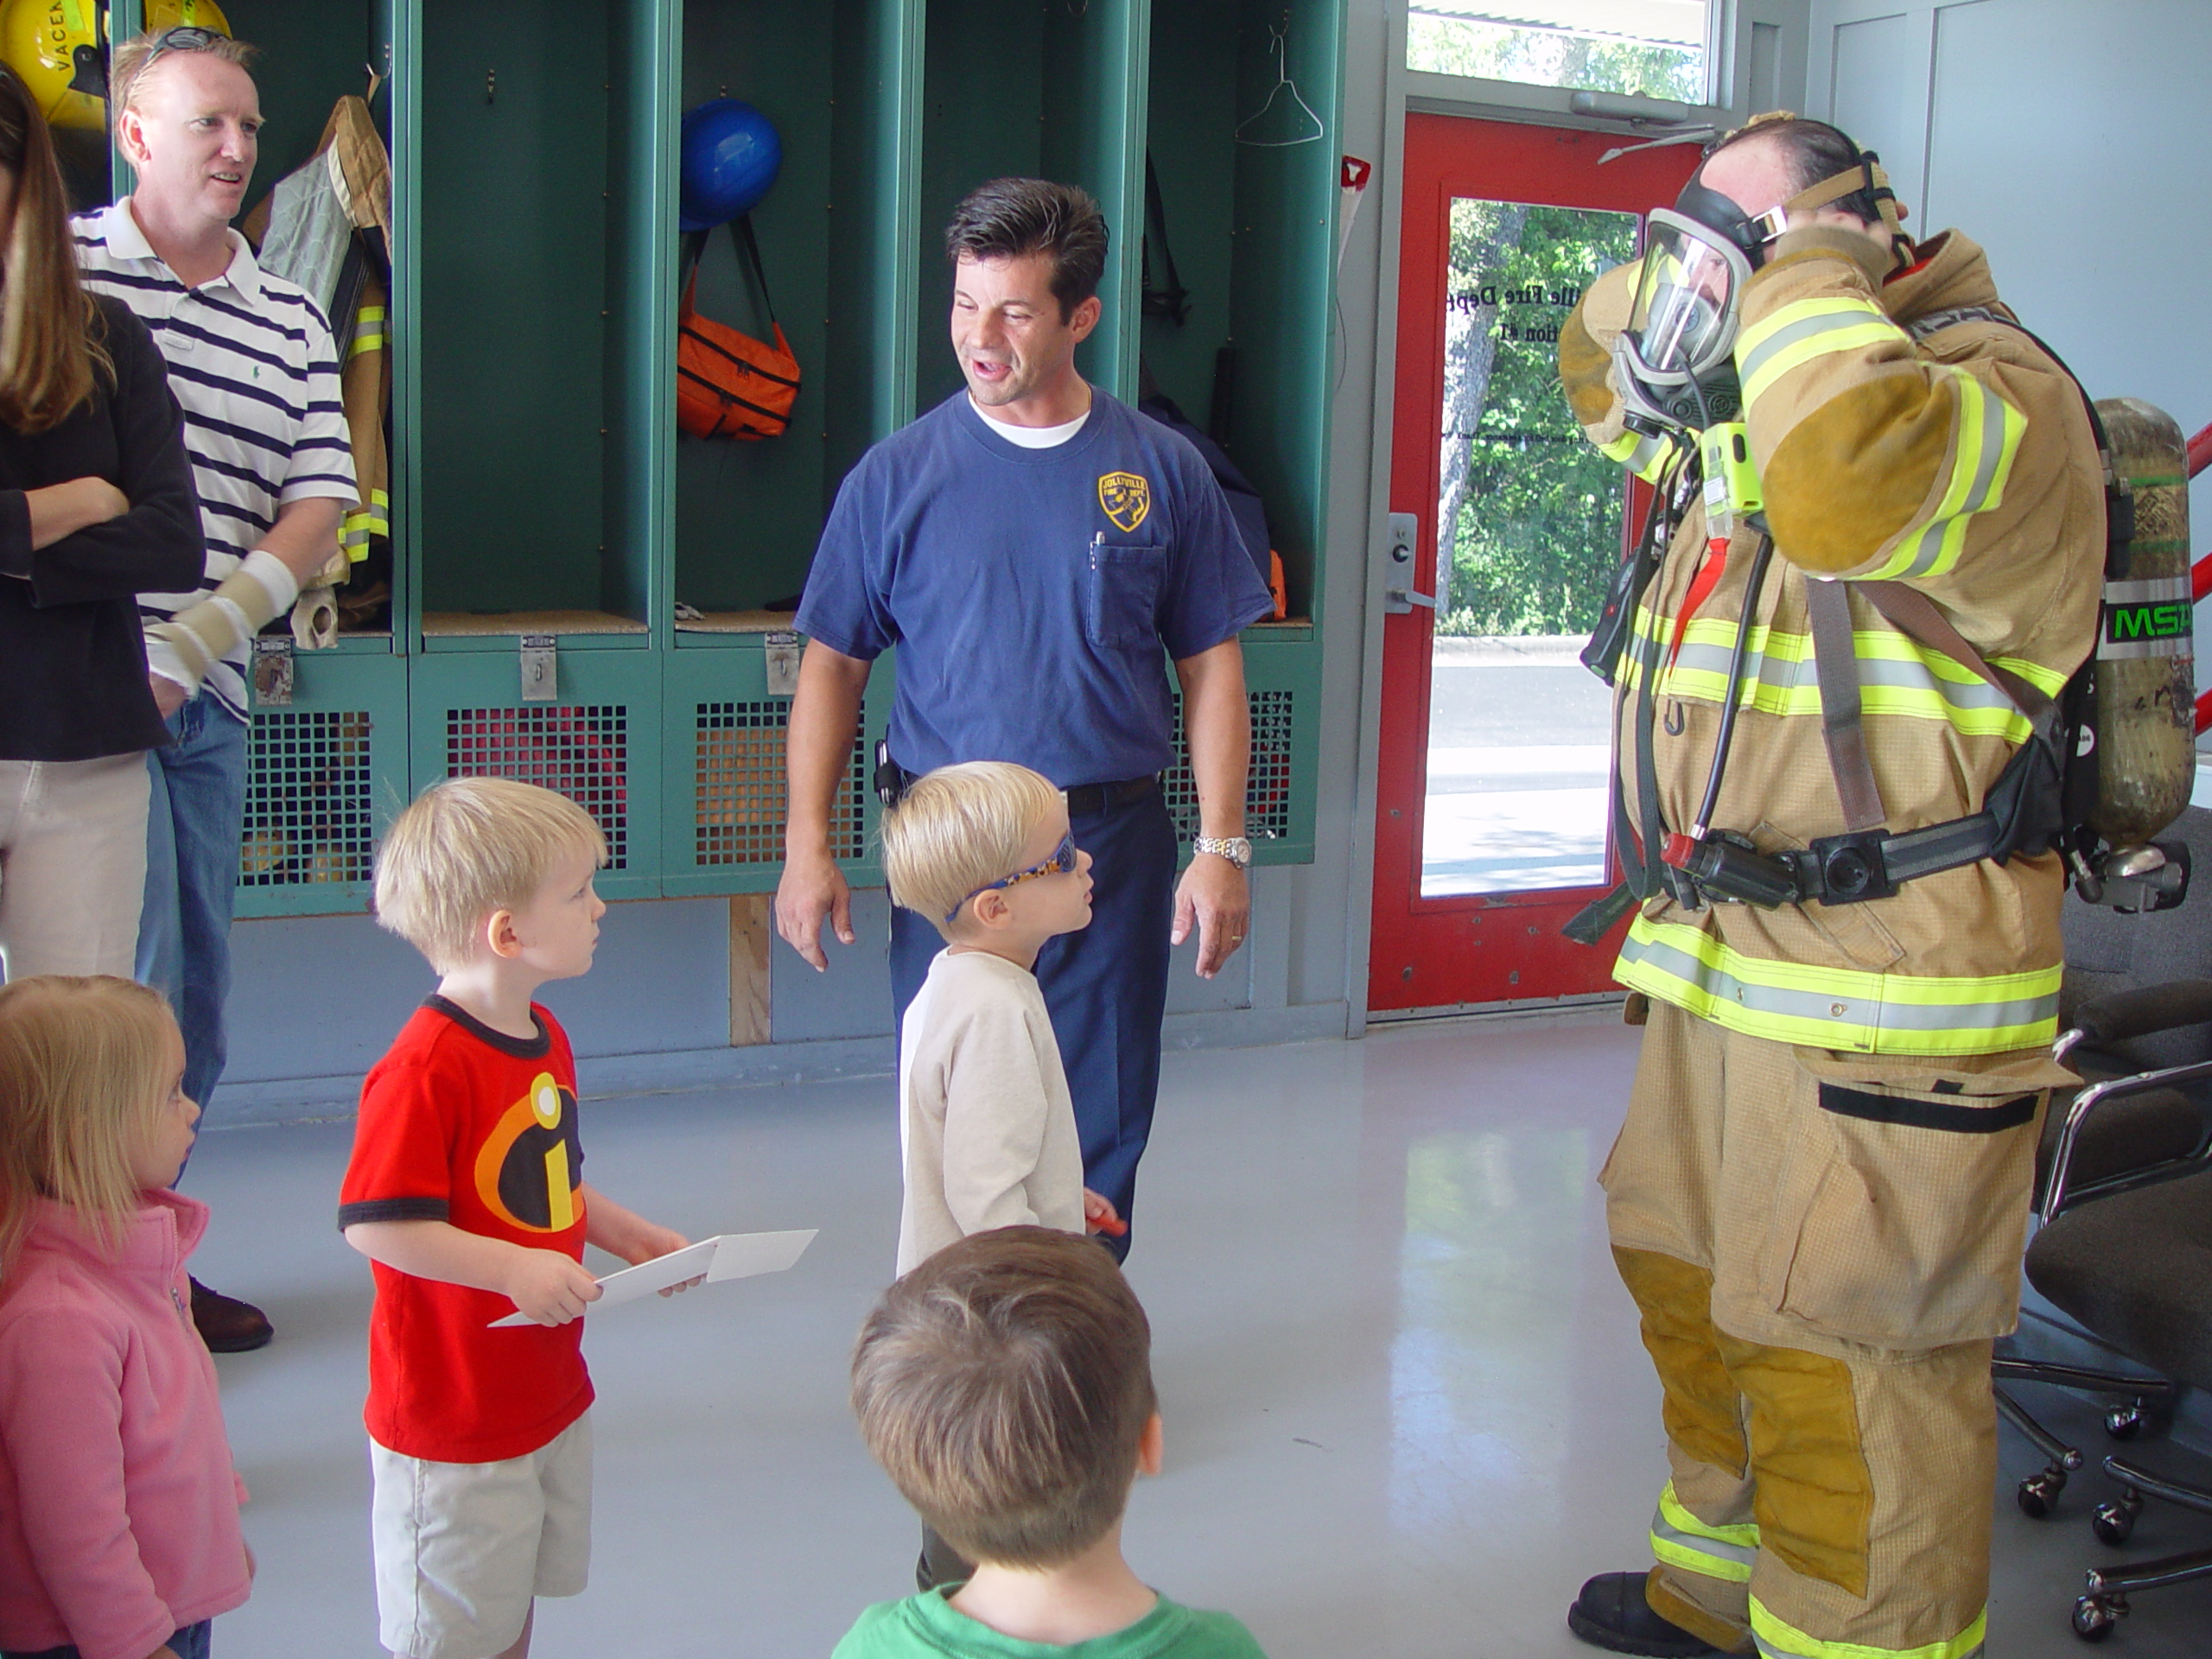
[(250, 360)]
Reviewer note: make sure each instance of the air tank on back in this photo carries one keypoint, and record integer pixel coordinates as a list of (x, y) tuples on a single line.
[(2147, 678)]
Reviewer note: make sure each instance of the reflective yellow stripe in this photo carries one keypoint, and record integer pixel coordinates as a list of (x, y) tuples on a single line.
[(1794, 334), (370, 333), (1680, 1539), (1644, 456), (1838, 1007), (1988, 437), (374, 520), (1897, 675), (1778, 1639)]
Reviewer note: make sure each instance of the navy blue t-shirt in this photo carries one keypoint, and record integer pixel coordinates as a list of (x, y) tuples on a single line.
[(1032, 592)]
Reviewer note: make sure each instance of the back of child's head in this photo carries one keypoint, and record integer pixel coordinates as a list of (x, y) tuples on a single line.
[(1005, 1385), (958, 829), (469, 847), (84, 1076)]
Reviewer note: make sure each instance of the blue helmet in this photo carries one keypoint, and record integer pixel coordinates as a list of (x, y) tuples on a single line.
[(729, 158)]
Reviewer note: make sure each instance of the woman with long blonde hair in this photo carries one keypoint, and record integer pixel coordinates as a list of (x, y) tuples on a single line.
[(97, 506), (118, 1503)]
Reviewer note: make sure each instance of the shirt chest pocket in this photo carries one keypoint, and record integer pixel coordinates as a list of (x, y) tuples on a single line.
[(1121, 595)]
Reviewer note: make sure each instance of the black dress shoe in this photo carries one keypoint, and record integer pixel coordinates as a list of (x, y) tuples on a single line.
[(226, 1325), (1612, 1613)]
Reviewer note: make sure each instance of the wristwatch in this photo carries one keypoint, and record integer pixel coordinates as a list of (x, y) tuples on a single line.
[(1235, 848)]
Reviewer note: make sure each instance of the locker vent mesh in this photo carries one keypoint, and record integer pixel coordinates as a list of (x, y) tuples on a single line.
[(581, 751), (306, 799), (1266, 798), (738, 786)]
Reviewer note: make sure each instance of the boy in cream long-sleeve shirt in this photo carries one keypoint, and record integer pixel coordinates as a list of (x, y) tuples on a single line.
[(986, 1127)]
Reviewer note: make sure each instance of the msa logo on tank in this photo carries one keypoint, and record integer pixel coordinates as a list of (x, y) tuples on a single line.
[(531, 1166), (2146, 619), (1126, 498)]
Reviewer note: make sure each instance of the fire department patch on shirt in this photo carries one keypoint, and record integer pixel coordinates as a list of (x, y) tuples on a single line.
[(1127, 498)]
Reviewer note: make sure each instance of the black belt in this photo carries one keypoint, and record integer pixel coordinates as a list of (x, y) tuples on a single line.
[(893, 780)]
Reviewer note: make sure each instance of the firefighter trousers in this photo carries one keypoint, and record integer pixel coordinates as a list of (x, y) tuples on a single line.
[(1822, 1247)]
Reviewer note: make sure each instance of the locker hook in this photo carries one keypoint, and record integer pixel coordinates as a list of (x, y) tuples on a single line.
[(490, 85)]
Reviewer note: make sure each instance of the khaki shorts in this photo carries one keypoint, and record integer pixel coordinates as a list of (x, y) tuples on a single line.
[(462, 1547)]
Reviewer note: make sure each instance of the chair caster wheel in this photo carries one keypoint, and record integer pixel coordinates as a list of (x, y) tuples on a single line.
[(2114, 1523), (2094, 1616), (2038, 1494), (2126, 1422)]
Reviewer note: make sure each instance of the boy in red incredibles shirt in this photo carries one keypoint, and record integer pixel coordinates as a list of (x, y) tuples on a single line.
[(467, 1190)]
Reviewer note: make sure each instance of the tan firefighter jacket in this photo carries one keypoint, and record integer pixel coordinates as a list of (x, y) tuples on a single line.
[(1962, 464)]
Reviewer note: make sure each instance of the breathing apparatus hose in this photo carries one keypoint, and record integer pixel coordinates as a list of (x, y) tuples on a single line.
[(1727, 735)]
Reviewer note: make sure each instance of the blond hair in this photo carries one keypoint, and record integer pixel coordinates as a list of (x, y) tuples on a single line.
[(467, 847), (126, 81), (52, 337), (1004, 1385), (959, 827), (83, 1078)]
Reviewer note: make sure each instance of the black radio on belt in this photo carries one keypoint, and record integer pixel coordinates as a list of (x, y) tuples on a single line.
[(891, 780), (1845, 869)]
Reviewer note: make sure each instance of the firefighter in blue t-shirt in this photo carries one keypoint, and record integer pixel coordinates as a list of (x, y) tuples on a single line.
[(1034, 548)]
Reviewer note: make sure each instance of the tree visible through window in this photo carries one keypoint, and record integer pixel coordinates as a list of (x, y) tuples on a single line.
[(1655, 47), (1529, 513)]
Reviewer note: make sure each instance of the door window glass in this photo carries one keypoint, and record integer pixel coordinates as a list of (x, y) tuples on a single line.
[(1657, 48), (1528, 533)]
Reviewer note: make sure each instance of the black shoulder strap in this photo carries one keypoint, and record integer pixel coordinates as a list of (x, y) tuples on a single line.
[(748, 253)]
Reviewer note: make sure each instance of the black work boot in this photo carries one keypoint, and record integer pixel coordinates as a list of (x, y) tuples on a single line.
[(1612, 1612), (226, 1325)]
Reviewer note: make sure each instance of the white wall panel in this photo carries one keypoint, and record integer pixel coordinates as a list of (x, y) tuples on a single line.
[(2060, 135)]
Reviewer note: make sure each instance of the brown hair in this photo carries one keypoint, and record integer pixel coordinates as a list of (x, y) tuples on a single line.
[(81, 1077), (1812, 151), (128, 64), (1011, 218), (49, 345), (1004, 1385)]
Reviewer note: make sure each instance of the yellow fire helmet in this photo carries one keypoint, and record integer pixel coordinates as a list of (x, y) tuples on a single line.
[(60, 49)]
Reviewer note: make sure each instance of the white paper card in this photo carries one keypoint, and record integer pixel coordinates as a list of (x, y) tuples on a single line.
[(727, 1256)]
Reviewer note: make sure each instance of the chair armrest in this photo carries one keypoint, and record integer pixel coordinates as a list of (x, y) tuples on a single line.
[(2119, 1015), (2087, 1101)]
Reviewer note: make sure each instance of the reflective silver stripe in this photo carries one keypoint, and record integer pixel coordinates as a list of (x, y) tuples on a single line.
[(1987, 711), (1833, 1008), (1936, 548), (1724, 1560), (1779, 1639), (1804, 329), (2149, 592)]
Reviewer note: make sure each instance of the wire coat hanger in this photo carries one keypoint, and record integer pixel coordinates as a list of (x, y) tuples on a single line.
[(1279, 40)]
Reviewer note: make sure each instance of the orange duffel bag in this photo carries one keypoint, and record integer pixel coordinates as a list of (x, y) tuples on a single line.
[(730, 385)]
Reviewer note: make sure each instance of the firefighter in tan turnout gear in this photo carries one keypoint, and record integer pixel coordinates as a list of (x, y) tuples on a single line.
[(1818, 1198)]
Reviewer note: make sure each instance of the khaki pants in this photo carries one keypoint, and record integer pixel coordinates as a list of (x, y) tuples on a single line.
[(1822, 1247), (73, 864)]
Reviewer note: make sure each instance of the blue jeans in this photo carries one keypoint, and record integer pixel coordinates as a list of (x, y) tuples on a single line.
[(193, 824), (190, 1642), (1105, 987)]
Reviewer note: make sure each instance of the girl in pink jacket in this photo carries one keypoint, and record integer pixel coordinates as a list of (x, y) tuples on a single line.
[(119, 1507)]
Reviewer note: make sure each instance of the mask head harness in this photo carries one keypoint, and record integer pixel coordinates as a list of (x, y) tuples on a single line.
[(1676, 357)]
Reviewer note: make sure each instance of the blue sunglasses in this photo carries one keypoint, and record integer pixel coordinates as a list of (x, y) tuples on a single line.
[(1060, 863)]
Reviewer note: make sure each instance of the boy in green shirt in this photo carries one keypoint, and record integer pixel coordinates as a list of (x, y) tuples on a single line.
[(1005, 1385)]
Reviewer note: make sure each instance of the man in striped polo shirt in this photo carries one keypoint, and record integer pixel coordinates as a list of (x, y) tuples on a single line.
[(250, 360)]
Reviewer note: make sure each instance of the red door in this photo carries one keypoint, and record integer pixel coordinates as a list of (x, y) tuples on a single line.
[(1491, 813)]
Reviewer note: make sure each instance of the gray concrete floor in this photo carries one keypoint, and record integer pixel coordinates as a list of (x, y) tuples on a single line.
[(1407, 1410)]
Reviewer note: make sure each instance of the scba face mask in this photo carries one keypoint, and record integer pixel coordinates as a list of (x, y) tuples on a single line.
[(1676, 356)]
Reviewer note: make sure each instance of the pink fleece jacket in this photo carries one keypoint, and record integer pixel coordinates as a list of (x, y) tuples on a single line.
[(119, 1504)]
